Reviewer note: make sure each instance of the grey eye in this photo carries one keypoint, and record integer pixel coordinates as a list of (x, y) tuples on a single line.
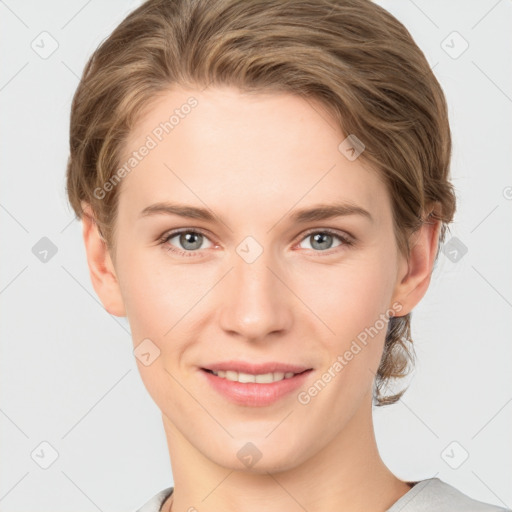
[(321, 241), (190, 240)]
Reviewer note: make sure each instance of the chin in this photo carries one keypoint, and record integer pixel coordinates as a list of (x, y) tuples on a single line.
[(256, 457)]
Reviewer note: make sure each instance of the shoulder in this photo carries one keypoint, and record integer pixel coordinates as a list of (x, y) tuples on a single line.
[(434, 494), (154, 504)]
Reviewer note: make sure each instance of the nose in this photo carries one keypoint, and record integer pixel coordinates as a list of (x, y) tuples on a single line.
[(255, 301)]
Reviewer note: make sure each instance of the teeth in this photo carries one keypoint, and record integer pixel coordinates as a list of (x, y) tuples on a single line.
[(265, 378)]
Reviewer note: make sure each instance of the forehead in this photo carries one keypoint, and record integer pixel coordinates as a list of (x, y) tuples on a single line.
[(249, 149)]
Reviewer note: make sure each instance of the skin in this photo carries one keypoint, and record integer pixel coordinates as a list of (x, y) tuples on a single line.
[(253, 159)]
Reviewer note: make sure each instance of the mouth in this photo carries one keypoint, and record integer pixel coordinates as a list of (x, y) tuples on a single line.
[(255, 386), (260, 378)]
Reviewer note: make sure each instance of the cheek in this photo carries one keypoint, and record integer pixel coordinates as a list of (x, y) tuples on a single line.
[(353, 300), (348, 297), (354, 304), (161, 297), (159, 300)]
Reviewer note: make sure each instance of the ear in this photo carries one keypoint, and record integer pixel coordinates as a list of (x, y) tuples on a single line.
[(101, 268), (414, 273)]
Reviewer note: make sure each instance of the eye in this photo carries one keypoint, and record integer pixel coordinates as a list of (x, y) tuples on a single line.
[(189, 241), (322, 240)]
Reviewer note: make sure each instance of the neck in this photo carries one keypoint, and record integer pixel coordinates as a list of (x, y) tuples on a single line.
[(347, 474)]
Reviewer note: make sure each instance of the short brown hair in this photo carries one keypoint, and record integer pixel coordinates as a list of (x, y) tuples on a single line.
[(351, 55)]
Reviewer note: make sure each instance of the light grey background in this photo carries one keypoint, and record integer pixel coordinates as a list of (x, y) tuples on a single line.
[(68, 375)]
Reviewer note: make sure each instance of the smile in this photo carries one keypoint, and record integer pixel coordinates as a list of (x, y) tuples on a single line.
[(255, 389), (263, 378)]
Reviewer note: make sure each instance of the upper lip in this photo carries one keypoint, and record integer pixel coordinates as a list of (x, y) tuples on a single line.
[(255, 369)]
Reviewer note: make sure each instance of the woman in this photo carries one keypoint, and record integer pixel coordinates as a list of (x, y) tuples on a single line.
[(263, 187)]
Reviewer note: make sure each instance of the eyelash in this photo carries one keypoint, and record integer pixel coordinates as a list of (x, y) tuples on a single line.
[(347, 241)]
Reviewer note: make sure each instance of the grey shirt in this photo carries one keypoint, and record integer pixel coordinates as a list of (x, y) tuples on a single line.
[(429, 495)]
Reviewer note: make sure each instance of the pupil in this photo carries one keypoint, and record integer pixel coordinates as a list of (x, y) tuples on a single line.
[(188, 238), (320, 238)]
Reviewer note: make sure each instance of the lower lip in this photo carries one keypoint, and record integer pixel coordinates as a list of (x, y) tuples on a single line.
[(252, 394)]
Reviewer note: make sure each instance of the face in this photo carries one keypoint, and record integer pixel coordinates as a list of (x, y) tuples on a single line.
[(259, 285)]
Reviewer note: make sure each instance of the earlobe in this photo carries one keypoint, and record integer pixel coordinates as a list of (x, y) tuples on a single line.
[(414, 278), (101, 268)]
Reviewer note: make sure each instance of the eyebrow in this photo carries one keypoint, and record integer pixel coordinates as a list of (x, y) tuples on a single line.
[(310, 214)]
